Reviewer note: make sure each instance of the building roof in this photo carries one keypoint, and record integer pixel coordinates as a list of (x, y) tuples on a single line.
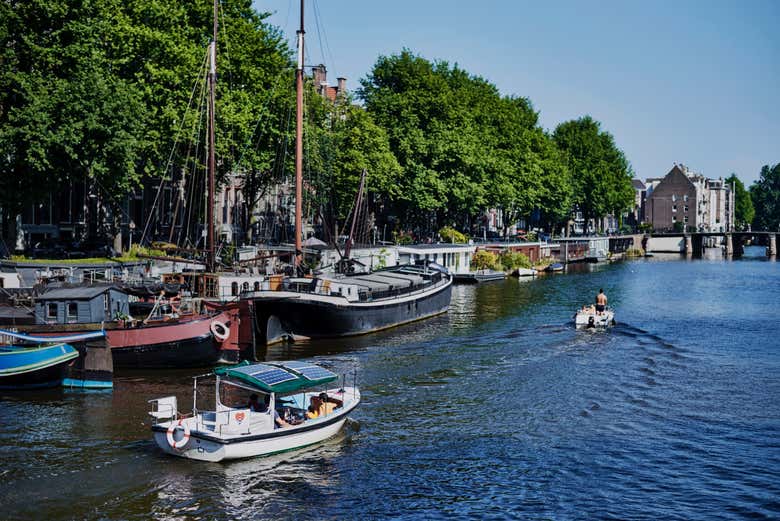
[(76, 292), (638, 184)]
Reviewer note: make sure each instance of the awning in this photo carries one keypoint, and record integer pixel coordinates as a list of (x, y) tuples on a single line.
[(279, 377)]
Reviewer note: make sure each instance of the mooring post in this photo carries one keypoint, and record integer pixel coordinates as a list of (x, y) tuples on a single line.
[(729, 251), (688, 245), (771, 249)]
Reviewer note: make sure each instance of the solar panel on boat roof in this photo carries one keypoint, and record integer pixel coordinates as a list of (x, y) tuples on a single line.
[(310, 371), (273, 376)]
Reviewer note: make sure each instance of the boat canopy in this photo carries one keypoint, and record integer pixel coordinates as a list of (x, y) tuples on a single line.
[(279, 377)]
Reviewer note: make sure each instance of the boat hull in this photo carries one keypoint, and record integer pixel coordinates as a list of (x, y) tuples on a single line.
[(594, 321), (205, 448), (308, 316), (186, 343), (32, 368), (208, 445)]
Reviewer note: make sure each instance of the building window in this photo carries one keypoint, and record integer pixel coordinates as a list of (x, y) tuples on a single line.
[(674, 218), (257, 286), (674, 207), (105, 302), (245, 286), (73, 311), (685, 208), (674, 197), (51, 310), (685, 219), (234, 288), (685, 198)]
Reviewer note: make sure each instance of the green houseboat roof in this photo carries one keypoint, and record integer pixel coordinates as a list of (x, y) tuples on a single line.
[(279, 377)]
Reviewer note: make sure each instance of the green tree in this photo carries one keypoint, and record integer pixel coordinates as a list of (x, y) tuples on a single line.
[(765, 194), (463, 147), (600, 171), (97, 92), (743, 205)]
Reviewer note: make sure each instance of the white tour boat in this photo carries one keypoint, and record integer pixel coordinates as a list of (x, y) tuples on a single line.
[(588, 318), (260, 409)]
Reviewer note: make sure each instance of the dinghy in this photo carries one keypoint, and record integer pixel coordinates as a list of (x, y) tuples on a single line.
[(261, 409), (588, 318)]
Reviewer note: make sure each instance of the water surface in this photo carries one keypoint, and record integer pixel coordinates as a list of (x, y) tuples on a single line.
[(497, 410)]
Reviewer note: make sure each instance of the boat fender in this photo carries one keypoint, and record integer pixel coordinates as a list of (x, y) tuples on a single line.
[(219, 330), (183, 441)]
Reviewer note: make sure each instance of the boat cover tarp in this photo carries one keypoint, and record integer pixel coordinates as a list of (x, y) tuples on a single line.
[(279, 377), (51, 339)]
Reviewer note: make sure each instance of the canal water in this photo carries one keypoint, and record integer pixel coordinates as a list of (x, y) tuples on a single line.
[(497, 410)]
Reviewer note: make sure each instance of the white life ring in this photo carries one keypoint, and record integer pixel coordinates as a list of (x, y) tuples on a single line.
[(219, 330), (183, 441)]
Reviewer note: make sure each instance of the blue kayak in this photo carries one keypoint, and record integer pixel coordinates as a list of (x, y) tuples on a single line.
[(34, 367)]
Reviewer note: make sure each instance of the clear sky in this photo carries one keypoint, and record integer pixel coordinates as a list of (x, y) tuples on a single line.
[(691, 82)]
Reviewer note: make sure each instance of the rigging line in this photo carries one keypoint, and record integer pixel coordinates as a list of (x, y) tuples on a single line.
[(260, 116), (197, 129), (173, 149), (321, 34)]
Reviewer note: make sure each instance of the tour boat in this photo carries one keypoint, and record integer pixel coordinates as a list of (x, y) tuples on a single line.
[(588, 318), (260, 409)]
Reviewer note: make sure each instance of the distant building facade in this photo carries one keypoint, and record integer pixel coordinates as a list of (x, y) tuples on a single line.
[(687, 200)]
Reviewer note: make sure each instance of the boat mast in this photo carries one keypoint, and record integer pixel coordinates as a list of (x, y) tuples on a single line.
[(211, 254), (299, 146)]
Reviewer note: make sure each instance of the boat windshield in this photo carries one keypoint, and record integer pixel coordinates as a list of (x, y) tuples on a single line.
[(237, 396)]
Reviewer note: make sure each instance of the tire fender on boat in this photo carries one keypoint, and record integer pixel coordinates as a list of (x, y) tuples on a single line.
[(183, 441), (219, 330)]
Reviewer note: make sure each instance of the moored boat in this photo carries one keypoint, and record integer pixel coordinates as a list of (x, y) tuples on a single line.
[(260, 409), (477, 276), (335, 306), (34, 367), (554, 267), (75, 361), (159, 340)]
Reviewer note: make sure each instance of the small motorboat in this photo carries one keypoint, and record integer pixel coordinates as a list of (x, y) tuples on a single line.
[(588, 318), (260, 409), (555, 266), (34, 367), (473, 277), (524, 272)]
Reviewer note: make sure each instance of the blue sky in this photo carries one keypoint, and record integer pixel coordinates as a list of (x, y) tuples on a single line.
[(690, 82)]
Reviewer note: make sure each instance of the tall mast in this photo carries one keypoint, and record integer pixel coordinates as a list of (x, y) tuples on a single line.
[(211, 255), (299, 145)]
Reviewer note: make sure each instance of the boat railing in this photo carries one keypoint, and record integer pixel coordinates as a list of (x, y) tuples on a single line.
[(164, 408)]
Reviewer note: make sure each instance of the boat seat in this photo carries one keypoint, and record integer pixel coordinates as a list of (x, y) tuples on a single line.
[(163, 408)]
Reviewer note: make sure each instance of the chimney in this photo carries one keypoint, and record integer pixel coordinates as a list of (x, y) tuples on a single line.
[(320, 74), (342, 85)]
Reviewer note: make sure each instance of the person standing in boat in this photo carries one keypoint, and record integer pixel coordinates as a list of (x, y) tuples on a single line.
[(601, 302)]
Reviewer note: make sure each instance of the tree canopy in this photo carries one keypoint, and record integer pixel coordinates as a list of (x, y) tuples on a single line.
[(765, 194), (98, 92), (462, 146), (743, 205), (600, 172)]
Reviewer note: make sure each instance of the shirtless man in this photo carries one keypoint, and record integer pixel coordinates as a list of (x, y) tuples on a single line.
[(601, 302)]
